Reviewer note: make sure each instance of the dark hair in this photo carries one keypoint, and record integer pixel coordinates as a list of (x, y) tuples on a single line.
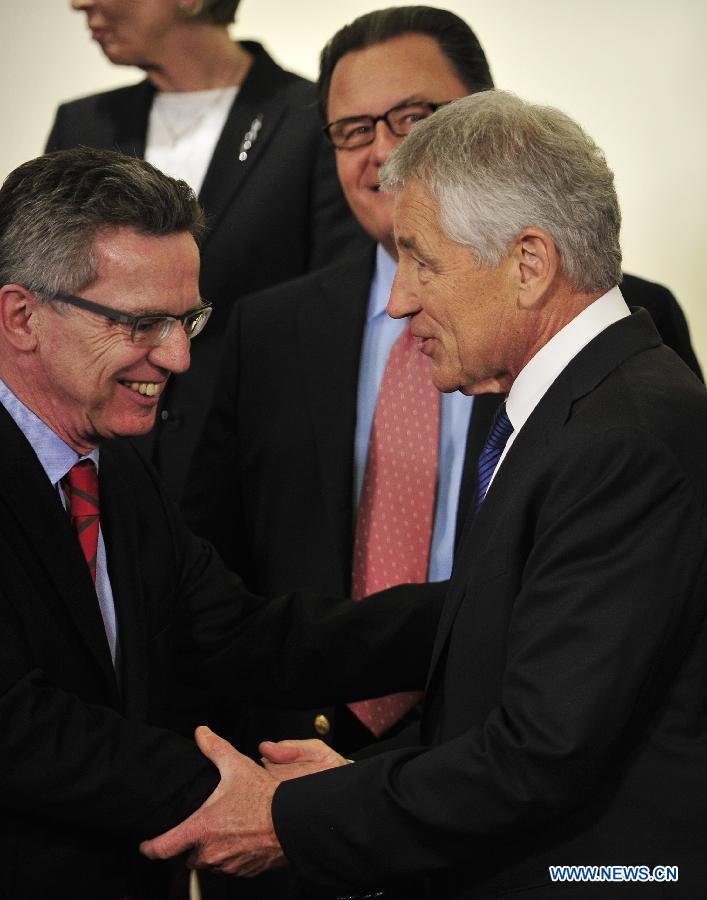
[(52, 208), (218, 12), (455, 38)]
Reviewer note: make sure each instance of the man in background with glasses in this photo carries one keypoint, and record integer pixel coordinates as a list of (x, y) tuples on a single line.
[(111, 613), (296, 481)]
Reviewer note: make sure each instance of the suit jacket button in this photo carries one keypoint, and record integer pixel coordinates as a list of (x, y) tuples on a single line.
[(321, 724)]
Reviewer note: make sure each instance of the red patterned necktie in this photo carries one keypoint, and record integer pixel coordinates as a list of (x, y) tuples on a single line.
[(396, 510), (81, 487)]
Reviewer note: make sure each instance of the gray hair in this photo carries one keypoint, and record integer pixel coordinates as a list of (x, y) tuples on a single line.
[(52, 208), (498, 164)]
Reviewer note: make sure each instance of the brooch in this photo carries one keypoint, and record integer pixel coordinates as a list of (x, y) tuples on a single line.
[(250, 137)]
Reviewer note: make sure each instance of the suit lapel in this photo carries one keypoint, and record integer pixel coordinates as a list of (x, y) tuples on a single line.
[(482, 413), (131, 119), (121, 539), (592, 364), (329, 334), (40, 530), (259, 100)]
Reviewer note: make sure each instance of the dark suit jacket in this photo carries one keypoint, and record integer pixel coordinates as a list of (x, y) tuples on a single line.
[(87, 768), (272, 481), (273, 217), (564, 721)]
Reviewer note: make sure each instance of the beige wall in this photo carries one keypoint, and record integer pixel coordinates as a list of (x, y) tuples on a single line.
[(633, 72)]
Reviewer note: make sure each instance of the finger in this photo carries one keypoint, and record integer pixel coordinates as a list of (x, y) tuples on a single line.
[(280, 752), (173, 842), (222, 754), (280, 770), (287, 773)]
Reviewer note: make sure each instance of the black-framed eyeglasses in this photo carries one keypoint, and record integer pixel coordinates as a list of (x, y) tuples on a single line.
[(359, 131), (153, 328)]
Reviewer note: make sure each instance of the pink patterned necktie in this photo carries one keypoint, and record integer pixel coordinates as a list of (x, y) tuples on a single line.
[(396, 510), (81, 487)]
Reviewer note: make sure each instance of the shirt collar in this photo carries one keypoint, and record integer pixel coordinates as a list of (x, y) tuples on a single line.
[(381, 284), (533, 381), (55, 455)]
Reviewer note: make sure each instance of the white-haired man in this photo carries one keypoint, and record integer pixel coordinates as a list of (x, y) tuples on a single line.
[(564, 716)]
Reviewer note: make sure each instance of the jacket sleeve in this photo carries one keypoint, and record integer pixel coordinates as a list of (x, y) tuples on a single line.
[(83, 764), (602, 620), (66, 752)]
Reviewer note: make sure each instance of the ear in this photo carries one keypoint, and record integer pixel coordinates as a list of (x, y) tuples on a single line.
[(537, 263), (17, 308)]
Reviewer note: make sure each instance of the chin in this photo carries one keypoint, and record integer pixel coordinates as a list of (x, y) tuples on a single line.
[(134, 427), (444, 385), (447, 380), (119, 56)]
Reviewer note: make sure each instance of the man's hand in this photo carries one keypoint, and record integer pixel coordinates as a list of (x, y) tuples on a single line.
[(232, 832), (292, 759)]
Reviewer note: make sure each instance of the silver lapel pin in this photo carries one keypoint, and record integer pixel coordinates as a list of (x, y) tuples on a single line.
[(250, 137)]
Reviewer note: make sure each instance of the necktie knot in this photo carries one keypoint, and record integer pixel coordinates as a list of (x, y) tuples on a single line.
[(501, 429)]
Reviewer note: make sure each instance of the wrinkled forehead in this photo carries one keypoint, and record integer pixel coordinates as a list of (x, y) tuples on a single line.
[(140, 273)]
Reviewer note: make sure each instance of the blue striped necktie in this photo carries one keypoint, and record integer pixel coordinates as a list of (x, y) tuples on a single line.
[(499, 433)]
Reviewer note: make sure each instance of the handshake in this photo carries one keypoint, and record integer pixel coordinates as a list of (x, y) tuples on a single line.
[(232, 832)]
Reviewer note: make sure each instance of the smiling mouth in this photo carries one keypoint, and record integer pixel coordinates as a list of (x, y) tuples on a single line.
[(145, 388)]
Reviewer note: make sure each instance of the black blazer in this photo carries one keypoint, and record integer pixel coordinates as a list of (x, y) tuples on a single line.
[(87, 767), (273, 217), (272, 481), (565, 714)]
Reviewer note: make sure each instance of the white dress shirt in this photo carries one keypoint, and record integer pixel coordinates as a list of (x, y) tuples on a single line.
[(533, 381)]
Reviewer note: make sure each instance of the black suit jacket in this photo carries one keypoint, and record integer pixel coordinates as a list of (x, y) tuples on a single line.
[(564, 721), (272, 481), (272, 217), (87, 765)]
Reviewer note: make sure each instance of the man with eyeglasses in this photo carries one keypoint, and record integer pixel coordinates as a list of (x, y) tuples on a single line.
[(113, 616), (286, 456)]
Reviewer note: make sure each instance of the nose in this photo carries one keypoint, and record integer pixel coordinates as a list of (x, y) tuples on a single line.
[(80, 4), (403, 300), (173, 354), (384, 142)]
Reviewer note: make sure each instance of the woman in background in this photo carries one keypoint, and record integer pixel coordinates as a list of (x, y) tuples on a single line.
[(244, 133)]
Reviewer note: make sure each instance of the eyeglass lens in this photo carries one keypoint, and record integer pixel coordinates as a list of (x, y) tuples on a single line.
[(158, 328), (350, 133)]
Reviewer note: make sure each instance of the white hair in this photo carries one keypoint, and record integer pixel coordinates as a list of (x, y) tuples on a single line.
[(498, 164)]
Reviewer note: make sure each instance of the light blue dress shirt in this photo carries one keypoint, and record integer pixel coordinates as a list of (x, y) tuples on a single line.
[(57, 458), (380, 333)]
